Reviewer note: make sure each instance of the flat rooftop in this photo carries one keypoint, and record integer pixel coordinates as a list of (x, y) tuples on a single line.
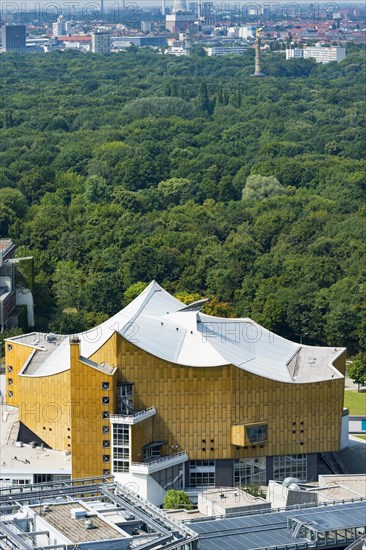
[(60, 518), (26, 460), (341, 487), (231, 497)]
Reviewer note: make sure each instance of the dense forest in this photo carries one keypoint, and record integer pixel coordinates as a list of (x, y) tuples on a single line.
[(120, 169)]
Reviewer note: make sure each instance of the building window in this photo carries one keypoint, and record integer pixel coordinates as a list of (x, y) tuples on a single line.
[(170, 478), (121, 466), (10, 347), (10, 393), (106, 429), (105, 385), (124, 398), (10, 381), (152, 452), (257, 434), (249, 471), (202, 473), (121, 448), (105, 414), (20, 481), (10, 369), (106, 472), (42, 478), (106, 443), (290, 466), (106, 458), (105, 400)]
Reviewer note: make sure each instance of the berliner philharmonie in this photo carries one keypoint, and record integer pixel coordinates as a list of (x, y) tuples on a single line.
[(164, 396)]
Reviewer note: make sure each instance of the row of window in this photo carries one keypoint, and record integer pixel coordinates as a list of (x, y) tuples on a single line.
[(250, 471), (202, 479), (105, 401), (121, 448), (105, 386)]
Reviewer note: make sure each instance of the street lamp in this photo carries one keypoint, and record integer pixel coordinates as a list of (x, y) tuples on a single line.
[(301, 335)]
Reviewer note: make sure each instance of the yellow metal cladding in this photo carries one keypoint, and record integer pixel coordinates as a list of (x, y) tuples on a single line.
[(203, 411), (87, 438), (45, 408), (197, 408), (141, 435), (108, 352), (16, 354)]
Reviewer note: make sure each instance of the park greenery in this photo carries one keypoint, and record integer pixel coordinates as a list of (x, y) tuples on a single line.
[(356, 370), (120, 169), (355, 402), (175, 499)]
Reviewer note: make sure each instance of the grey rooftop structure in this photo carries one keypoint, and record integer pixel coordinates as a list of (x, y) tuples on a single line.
[(331, 526), (88, 514)]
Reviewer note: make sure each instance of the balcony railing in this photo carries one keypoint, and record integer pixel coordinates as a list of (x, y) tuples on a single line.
[(159, 464), (134, 418)]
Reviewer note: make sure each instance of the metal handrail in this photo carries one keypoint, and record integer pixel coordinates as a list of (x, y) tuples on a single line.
[(159, 460), (135, 415)]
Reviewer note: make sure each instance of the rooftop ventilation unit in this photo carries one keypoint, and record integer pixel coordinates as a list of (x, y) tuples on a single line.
[(78, 513), (89, 524), (289, 480)]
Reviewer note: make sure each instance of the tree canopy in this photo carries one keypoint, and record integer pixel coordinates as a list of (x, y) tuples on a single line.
[(127, 168)]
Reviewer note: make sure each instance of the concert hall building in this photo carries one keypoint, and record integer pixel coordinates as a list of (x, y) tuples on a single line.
[(163, 396)]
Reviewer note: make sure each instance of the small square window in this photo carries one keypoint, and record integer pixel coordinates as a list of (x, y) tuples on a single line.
[(105, 414), (106, 458), (106, 443), (10, 369), (10, 393), (10, 347), (106, 472), (105, 385), (106, 429), (10, 381), (105, 400)]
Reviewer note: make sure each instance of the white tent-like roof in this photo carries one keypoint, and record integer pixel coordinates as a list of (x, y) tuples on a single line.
[(166, 328)]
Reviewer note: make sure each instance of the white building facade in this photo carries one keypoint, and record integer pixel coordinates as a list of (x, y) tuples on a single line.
[(320, 54), (101, 42)]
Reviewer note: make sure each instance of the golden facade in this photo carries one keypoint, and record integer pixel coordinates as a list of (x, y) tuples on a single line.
[(211, 412)]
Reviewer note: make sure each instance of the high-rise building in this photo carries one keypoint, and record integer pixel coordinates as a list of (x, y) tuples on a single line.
[(101, 42), (14, 38), (180, 19), (166, 397), (58, 28)]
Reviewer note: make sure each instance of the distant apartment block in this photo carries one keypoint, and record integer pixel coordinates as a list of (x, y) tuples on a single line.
[(14, 38), (101, 42), (122, 42), (320, 54), (294, 52), (224, 50)]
